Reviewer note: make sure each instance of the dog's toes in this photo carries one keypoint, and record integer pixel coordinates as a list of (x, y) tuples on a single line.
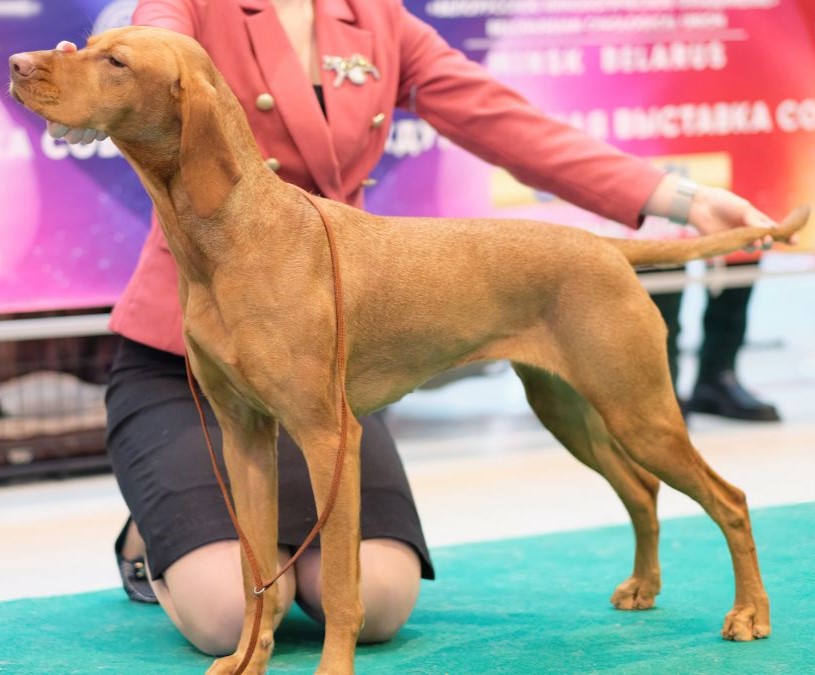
[(761, 631), (744, 623), (229, 665), (230, 670), (632, 601), (223, 666), (634, 593), (736, 629)]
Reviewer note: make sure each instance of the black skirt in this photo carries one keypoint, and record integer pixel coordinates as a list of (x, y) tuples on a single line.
[(161, 463)]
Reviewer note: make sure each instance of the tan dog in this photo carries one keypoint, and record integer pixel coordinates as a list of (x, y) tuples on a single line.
[(421, 296)]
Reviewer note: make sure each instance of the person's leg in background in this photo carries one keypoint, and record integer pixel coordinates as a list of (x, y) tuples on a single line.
[(718, 390), (668, 305)]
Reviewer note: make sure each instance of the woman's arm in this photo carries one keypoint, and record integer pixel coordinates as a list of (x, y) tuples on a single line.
[(181, 16), (460, 99)]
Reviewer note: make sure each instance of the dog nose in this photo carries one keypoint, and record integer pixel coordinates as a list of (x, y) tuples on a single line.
[(21, 64)]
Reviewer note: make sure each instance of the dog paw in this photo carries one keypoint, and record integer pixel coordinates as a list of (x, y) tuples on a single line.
[(222, 666), (226, 666), (747, 622), (229, 665), (635, 593)]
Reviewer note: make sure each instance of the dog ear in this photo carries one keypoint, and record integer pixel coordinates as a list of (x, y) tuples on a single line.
[(209, 168)]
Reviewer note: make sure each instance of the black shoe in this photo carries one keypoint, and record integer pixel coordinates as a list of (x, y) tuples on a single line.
[(133, 572), (724, 396)]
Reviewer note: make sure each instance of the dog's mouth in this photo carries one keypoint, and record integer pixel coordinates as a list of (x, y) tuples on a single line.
[(36, 94), (14, 86), (12, 90)]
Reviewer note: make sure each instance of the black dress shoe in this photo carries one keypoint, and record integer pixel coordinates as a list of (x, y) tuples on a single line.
[(133, 572), (724, 396)]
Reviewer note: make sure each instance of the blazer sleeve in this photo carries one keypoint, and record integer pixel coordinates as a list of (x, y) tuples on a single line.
[(463, 102), (181, 16)]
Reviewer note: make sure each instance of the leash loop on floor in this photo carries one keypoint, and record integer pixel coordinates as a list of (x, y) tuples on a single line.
[(259, 588)]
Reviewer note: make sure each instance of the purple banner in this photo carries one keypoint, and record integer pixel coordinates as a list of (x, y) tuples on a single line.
[(72, 218)]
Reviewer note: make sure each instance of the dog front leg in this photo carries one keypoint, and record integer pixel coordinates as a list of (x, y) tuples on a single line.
[(339, 539), (250, 454)]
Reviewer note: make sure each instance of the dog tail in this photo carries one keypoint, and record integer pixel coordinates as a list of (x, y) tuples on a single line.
[(642, 252)]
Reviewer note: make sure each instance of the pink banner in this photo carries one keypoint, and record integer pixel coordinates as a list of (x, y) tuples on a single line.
[(720, 91)]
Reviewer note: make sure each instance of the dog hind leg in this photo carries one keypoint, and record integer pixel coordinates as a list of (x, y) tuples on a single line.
[(582, 431), (666, 450), (635, 398)]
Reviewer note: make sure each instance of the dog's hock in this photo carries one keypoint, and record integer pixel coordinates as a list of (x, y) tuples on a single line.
[(209, 168)]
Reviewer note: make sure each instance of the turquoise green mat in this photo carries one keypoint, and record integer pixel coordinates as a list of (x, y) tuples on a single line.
[(536, 605)]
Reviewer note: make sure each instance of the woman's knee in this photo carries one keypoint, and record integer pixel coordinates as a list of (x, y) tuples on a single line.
[(390, 580), (390, 575), (203, 594)]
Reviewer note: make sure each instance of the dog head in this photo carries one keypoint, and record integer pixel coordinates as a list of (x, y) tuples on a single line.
[(153, 91)]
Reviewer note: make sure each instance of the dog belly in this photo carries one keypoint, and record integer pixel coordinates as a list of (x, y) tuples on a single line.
[(382, 376)]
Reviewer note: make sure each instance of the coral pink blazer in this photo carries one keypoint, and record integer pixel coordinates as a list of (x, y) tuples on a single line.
[(419, 72)]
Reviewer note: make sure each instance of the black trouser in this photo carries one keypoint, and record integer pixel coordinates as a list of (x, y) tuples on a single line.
[(160, 461), (725, 326)]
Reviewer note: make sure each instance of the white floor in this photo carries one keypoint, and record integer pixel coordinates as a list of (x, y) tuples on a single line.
[(480, 466)]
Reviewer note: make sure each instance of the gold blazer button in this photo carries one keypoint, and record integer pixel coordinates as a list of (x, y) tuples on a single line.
[(377, 121), (264, 102)]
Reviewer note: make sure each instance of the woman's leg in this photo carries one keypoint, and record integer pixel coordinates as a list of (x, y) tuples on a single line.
[(390, 573), (158, 455), (203, 596), (202, 593)]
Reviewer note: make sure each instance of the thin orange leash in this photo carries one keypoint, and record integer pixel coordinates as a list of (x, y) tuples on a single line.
[(257, 577)]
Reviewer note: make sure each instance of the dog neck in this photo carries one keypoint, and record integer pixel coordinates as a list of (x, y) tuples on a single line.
[(161, 179), (197, 243)]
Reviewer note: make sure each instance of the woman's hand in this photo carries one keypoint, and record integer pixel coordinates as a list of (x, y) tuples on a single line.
[(73, 136), (710, 210), (715, 209)]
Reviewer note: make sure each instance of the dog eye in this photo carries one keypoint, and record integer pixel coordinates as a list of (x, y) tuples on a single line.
[(112, 60)]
